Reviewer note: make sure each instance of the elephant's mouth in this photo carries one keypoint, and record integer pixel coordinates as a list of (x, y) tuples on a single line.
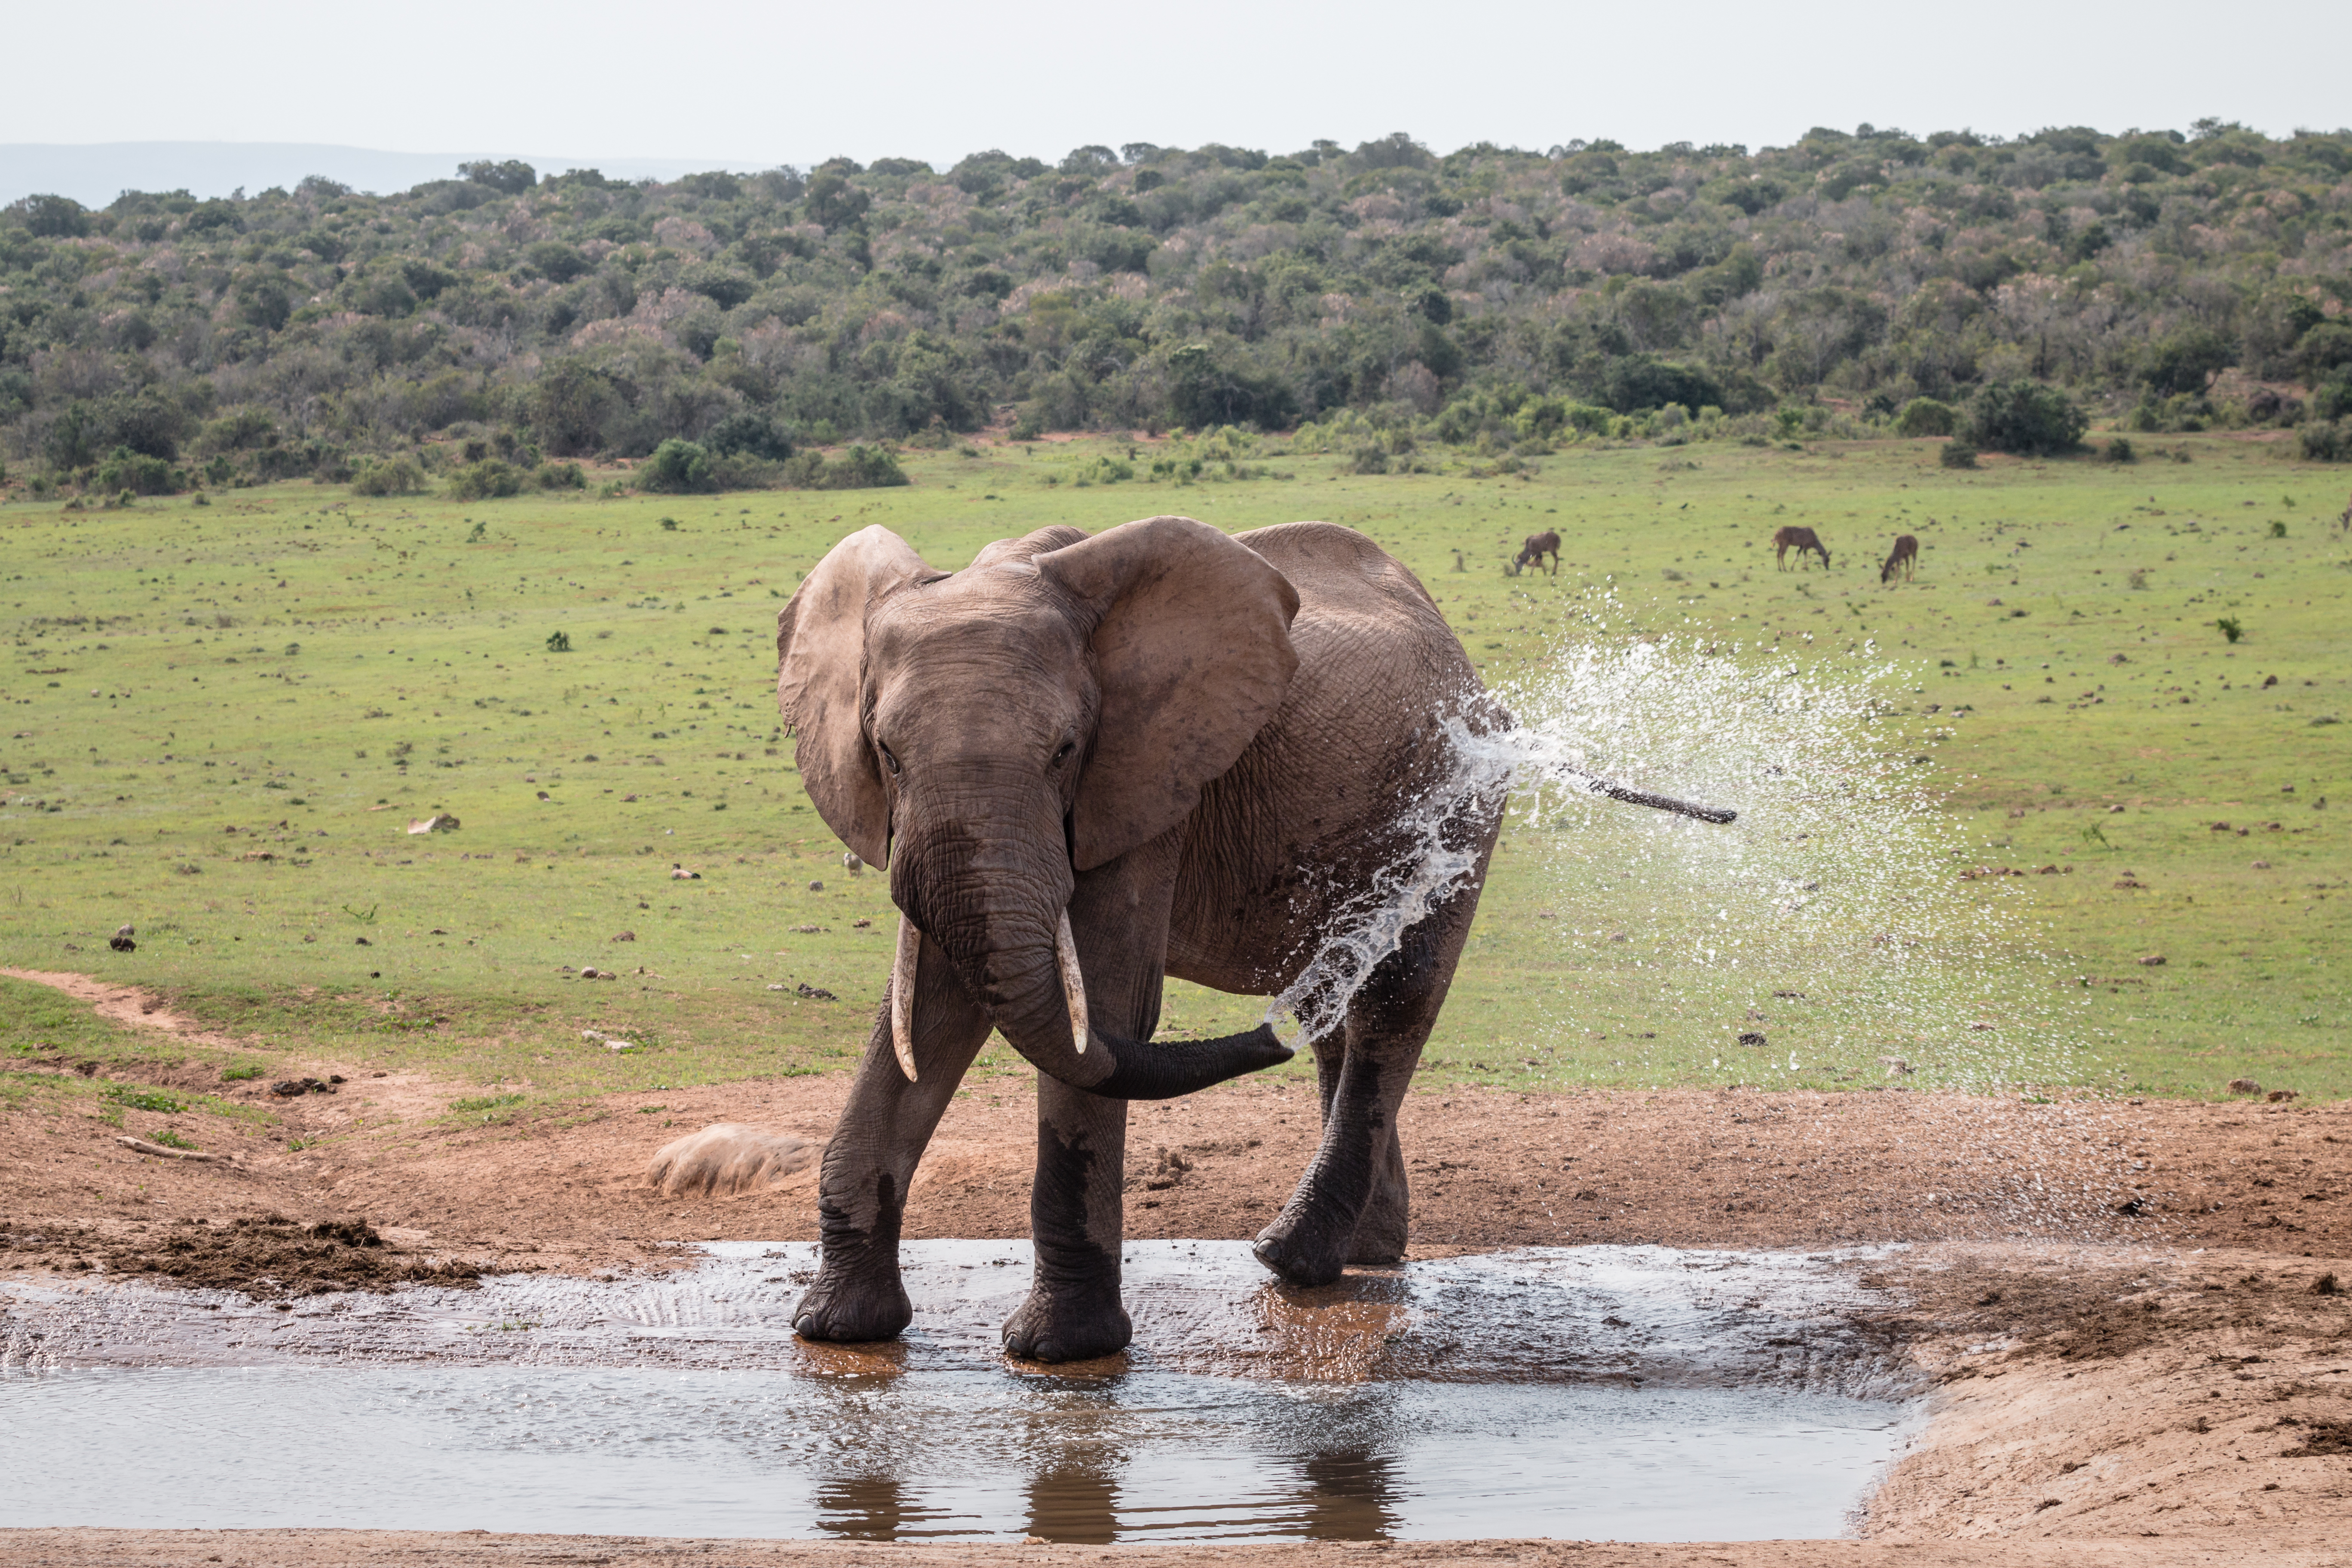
[(902, 991)]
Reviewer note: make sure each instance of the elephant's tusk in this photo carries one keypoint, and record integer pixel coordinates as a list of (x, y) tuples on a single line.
[(1074, 984), (902, 996)]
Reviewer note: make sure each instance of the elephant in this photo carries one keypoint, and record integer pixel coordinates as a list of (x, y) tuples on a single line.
[(1088, 762)]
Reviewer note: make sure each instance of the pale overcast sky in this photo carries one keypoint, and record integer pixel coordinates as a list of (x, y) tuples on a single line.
[(746, 84)]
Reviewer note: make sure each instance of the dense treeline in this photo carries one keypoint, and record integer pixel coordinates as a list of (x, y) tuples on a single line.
[(2173, 282)]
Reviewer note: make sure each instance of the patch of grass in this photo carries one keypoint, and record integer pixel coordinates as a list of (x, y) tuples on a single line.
[(408, 693), (486, 1102), (131, 1097)]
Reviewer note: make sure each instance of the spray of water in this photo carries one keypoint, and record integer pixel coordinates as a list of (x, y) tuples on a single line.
[(1828, 934), (1842, 930)]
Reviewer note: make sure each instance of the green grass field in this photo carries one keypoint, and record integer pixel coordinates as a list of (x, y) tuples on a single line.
[(223, 719)]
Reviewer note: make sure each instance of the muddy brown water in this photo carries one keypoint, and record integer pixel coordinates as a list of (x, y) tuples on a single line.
[(1627, 1392)]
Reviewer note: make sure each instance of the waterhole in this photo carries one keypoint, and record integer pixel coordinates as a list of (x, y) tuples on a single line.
[(1631, 1392)]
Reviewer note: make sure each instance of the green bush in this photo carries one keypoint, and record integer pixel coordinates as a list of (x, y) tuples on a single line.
[(2325, 443), (677, 468), (125, 470), (2119, 450), (858, 468), (749, 431), (513, 177), (485, 480), (2025, 417), (55, 218), (560, 477), (1957, 454), (2185, 360), (399, 476), (1927, 416)]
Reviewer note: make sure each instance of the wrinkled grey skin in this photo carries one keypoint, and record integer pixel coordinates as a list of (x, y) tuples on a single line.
[(1194, 745)]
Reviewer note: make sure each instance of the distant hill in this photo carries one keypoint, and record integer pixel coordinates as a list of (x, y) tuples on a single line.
[(95, 172), (1501, 299)]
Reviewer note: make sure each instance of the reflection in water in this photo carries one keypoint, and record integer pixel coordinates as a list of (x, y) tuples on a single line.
[(863, 1508), (1440, 1401), (1076, 1503), (1349, 1495)]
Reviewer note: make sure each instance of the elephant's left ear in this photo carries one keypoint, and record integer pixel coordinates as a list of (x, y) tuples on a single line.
[(1193, 654), (821, 660)]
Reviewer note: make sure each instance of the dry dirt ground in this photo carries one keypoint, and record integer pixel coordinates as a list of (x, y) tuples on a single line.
[(2137, 1318)]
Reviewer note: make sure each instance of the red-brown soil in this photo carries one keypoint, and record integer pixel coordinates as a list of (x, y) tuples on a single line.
[(2121, 1305)]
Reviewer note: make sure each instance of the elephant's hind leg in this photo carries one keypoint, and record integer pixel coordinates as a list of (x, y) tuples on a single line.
[(1351, 1204), (871, 1159)]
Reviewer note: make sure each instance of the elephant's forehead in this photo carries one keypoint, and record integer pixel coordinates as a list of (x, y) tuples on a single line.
[(1004, 608)]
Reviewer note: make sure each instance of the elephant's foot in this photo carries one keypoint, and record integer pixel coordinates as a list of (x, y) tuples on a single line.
[(1068, 1327), (1301, 1251), (1377, 1243), (1380, 1235), (854, 1306)]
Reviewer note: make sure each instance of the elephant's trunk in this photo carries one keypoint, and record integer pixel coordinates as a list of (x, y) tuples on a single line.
[(1046, 1022), (1025, 971)]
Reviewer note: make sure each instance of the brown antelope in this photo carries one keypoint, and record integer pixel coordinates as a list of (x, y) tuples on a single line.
[(1905, 559), (1799, 540), (1536, 547)]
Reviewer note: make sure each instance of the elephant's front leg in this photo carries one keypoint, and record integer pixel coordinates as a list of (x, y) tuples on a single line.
[(1076, 1221), (1118, 920), (862, 1186)]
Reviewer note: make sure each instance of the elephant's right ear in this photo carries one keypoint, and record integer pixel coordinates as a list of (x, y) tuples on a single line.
[(821, 662)]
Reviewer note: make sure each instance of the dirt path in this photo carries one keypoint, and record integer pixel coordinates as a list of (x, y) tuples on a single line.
[(125, 1005)]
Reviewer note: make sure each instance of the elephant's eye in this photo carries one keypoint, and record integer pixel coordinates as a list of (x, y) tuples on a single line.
[(1064, 754), (889, 761)]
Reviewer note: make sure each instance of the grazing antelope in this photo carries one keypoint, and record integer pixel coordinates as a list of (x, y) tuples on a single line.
[(1799, 540), (1536, 547), (1905, 559)]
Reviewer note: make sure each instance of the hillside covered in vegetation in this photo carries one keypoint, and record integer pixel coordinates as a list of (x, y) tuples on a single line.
[(2167, 280)]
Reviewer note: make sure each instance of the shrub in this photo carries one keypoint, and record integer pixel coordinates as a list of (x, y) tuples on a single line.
[(1927, 416), (1958, 455), (559, 642), (55, 218), (560, 477), (2026, 417), (677, 467), (136, 473), (485, 480), (2323, 443), (747, 430), (2185, 360), (513, 177), (2230, 628), (858, 468), (400, 477), (2119, 450)]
